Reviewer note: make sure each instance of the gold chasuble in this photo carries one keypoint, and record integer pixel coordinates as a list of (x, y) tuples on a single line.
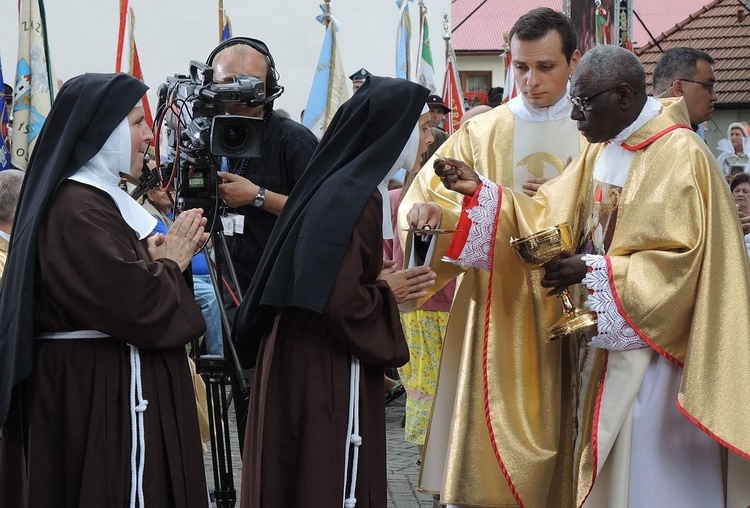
[(499, 413), (679, 276)]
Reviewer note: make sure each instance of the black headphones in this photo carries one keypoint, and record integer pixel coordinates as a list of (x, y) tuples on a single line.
[(272, 78)]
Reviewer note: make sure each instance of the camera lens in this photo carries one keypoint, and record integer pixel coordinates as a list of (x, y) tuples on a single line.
[(234, 136)]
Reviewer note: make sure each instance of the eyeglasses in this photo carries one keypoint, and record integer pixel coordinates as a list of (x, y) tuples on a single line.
[(710, 86), (582, 103)]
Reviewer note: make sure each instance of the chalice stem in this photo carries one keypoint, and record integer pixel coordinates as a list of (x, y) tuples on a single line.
[(568, 309)]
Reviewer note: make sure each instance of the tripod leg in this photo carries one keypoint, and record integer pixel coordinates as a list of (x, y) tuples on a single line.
[(214, 370), (221, 450)]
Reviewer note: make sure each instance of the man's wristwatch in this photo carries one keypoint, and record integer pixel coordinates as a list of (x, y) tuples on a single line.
[(260, 198)]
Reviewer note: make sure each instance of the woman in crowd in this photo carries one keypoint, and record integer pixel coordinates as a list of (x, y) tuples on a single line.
[(424, 328), (326, 319), (735, 151), (95, 317), (740, 188)]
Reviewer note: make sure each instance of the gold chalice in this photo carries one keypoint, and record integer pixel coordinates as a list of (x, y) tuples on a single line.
[(544, 247)]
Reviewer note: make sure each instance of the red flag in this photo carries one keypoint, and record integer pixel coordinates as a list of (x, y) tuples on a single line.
[(121, 34), (452, 95), (127, 52)]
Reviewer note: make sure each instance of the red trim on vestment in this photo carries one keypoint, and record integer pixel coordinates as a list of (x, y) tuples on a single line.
[(639, 146), (458, 242), (595, 429), (635, 328), (485, 373), (713, 436), (666, 355)]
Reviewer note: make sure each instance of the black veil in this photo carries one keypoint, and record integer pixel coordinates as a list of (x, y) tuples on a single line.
[(305, 251), (84, 114)]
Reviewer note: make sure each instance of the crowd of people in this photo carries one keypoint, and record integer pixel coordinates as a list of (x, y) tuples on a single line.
[(343, 277)]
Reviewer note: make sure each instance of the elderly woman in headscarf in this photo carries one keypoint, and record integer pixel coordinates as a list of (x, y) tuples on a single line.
[(735, 151), (95, 317), (326, 320)]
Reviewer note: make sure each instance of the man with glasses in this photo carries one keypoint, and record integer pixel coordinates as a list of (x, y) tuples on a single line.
[(660, 418), (688, 73), (521, 145)]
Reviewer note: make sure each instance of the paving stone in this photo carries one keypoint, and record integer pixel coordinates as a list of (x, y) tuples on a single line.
[(401, 462)]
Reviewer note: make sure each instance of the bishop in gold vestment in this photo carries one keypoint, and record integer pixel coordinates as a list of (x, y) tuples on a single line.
[(671, 288)]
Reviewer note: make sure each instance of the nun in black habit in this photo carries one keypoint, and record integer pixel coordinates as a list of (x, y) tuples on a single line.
[(326, 321), (96, 400)]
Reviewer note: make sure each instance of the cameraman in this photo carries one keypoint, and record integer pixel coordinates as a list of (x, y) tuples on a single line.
[(256, 189)]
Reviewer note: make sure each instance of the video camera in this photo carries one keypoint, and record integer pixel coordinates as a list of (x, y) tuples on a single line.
[(199, 132)]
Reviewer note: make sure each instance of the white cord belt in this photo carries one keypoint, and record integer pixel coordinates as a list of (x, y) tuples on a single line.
[(353, 439), (137, 406), (78, 334)]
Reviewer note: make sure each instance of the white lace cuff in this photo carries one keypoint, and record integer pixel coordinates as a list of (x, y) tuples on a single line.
[(476, 251), (614, 332)]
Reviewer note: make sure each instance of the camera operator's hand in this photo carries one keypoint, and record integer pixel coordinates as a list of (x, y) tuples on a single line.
[(182, 241), (238, 191)]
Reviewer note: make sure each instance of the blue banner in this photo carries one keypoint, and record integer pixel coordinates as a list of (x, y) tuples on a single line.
[(329, 89), (403, 60)]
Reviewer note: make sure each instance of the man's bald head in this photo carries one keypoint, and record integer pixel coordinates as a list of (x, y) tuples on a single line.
[(611, 65), (608, 92), (242, 60)]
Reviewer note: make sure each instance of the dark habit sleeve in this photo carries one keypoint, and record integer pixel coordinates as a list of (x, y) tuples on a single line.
[(95, 274), (362, 312)]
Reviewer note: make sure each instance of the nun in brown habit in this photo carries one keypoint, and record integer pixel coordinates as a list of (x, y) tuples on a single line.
[(324, 320), (96, 400)]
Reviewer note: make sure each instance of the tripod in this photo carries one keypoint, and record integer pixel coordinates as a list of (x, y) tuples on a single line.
[(214, 370)]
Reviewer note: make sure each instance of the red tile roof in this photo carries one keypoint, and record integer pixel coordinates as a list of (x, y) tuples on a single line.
[(722, 29), (659, 16), (478, 25)]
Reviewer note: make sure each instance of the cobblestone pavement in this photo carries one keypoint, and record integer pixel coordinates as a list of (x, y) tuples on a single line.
[(403, 471), (401, 462)]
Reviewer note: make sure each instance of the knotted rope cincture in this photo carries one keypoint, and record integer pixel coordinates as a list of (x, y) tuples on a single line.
[(353, 439), (137, 430), (137, 406)]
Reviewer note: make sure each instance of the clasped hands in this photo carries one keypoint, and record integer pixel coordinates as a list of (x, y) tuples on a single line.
[(183, 240), (409, 283)]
